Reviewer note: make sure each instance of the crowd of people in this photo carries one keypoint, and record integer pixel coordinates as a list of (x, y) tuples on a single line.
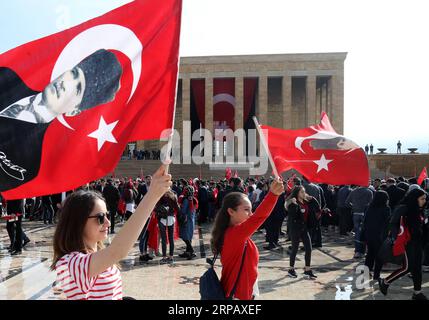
[(144, 154), (238, 208)]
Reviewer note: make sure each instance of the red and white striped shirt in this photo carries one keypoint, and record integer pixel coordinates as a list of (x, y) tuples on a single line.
[(72, 276)]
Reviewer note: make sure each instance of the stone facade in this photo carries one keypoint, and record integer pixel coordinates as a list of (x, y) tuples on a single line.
[(292, 90)]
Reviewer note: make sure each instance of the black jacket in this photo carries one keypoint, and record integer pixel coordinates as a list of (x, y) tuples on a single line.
[(375, 224), (395, 195), (112, 195), (296, 221), (412, 220), (15, 206)]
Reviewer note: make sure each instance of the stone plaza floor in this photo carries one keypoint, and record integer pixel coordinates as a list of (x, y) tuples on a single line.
[(27, 276)]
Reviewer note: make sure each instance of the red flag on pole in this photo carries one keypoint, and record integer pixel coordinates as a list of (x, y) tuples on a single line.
[(141, 174), (423, 175), (318, 153), (70, 102), (228, 173)]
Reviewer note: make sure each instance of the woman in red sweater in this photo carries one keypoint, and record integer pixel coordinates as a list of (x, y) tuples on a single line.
[(234, 225)]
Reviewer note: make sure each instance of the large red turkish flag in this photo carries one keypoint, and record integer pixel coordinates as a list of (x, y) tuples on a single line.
[(318, 153), (70, 102)]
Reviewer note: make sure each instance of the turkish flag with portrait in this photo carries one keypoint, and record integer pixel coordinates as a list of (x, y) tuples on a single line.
[(70, 102), (318, 153)]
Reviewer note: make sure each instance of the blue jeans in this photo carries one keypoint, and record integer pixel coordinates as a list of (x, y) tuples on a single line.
[(357, 228), (48, 213)]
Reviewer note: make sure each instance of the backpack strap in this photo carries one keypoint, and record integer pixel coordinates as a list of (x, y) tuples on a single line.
[(239, 273)]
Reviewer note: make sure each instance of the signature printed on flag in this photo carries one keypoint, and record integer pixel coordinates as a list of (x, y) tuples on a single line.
[(11, 169)]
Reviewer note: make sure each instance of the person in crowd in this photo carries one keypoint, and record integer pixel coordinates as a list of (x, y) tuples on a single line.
[(316, 192), (57, 199), (358, 200), (376, 184), (274, 223), (86, 270), (375, 225), (188, 206), (302, 210), (48, 211), (15, 209), (398, 147), (166, 209), (212, 193), (257, 194), (176, 188), (100, 186), (203, 202), (411, 209), (112, 196), (251, 194), (425, 267), (395, 193), (129, 196), (234, 225), (329, 216), (235, 185), (148, 239)]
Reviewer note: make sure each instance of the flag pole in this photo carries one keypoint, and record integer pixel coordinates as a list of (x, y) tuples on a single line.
[(265, 145)]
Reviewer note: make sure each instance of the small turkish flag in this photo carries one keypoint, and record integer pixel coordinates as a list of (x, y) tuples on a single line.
[(318, 153), (290, 182), (70, 102), (423, 175), (228, 173)]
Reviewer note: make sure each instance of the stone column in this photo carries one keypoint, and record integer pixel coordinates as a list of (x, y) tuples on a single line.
[(312, 119), (262, 113), (209, 105), (324, 89), (239, 102), (287, 101), (337, 110), (186, 99), (239, 109)]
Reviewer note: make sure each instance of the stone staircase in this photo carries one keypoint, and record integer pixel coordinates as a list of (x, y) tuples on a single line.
[(380, 166), (133, 168)]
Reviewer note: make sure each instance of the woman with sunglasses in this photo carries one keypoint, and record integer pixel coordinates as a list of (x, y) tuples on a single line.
[(85, 269)]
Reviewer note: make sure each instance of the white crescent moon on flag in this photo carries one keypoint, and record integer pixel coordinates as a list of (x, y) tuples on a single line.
[(224, 97), (321, 135), (401, 231), (108, 37)]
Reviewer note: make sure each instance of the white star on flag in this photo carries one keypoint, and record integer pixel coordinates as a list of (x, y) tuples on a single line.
[(104, 133), (322, 163)]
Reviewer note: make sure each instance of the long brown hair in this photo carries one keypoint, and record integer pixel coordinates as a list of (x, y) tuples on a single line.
[(231, 200), (293, 194), (68, 235)]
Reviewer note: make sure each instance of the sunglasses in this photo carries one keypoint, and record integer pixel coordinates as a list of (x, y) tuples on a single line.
[(101, 217)]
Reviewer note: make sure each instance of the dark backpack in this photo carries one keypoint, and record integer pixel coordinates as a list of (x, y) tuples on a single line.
[(210, 286)]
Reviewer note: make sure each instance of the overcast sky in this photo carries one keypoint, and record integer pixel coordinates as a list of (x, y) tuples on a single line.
[(386, 70)]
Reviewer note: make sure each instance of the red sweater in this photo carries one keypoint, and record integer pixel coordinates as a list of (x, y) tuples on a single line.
[(233, 248)]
